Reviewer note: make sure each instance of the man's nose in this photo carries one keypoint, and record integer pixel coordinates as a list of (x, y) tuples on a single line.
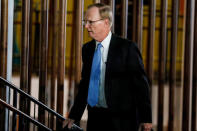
[(86, 25)]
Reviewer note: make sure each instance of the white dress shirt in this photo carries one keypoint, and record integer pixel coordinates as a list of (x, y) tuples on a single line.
[(104, 53)]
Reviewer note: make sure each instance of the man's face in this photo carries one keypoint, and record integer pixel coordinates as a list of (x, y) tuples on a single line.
[(96, 27)]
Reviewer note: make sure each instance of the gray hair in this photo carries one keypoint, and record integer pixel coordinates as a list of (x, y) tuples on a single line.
[(104, 11)]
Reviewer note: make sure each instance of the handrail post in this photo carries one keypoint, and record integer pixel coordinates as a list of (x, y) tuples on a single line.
[(7, 83), (22, 114)]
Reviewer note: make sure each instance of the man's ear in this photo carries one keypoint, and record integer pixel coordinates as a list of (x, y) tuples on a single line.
[(107, 22)]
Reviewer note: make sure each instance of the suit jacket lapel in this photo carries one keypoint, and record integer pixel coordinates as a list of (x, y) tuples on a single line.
[(111, 51), (92, 49), (110, 56)]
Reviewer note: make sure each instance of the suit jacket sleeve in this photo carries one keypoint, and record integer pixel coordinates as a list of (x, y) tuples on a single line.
[(81, 98), (140, 81)]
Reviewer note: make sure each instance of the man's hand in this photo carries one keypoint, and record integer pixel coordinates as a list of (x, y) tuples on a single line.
[(68, 122), (146, 126)]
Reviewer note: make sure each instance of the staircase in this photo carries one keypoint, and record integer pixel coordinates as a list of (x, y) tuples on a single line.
[(22, 122)]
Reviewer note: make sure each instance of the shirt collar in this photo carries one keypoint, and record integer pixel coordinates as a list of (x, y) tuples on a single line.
[(106, 41)]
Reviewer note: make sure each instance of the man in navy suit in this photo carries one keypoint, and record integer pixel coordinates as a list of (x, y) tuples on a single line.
[(117, 93)]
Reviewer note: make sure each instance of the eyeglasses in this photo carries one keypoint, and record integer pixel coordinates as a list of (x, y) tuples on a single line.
[(90, 22)]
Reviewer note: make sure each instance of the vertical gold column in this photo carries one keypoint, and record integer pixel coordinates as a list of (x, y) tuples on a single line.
[(25, 45), (3, 41), (30, 53), (112, 4), (162, 62), (79, 41), (71, 71), (194, 95), (124, 19), (53, 40), (3, 56), (151, 40), (139, 26), (43, 58), (61, 59), (24, 58), (134, 22), (173, 51), (188, 65)]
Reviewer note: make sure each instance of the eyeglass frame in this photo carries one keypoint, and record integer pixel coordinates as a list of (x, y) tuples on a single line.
[(90, 22)]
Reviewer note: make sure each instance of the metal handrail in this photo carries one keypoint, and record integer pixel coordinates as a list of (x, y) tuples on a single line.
[(5, 82), (8, 106)]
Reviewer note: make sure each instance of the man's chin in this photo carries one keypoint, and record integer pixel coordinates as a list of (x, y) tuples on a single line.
[(91, 35)]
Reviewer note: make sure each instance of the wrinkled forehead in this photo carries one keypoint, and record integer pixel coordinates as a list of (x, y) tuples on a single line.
[(92, 14)]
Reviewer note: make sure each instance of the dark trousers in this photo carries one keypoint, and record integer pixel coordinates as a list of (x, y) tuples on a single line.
[(101, 119)]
